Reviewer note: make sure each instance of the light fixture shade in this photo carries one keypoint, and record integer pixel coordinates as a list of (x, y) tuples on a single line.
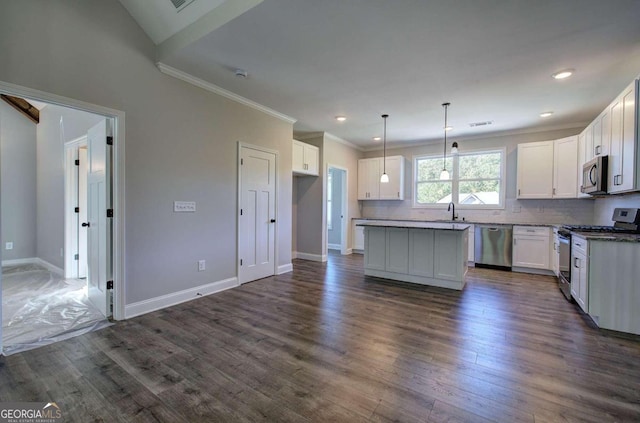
[(454, 148), (384, 178), (444, 175)]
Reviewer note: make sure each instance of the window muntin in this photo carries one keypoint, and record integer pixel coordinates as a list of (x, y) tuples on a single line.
[(476, 180)]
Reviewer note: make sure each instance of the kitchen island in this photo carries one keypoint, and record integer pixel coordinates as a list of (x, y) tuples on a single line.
[(427, 253)]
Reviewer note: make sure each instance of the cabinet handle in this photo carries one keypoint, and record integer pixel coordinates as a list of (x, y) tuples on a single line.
[(617, 180), (554, 191), (398, 194), (575, 262), (578, 245), (555, 248), (515, 241), (518, 191), (598, 150)]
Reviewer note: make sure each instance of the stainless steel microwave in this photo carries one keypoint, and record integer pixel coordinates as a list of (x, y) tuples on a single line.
[(594, 176)]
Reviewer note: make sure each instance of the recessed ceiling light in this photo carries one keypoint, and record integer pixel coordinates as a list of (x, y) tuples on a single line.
[(448, 128), (563, 74), (377, 138), (545, 114), (341, 118), (241, 73)]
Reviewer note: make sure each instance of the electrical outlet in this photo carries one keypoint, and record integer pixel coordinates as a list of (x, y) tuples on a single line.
[(9, 246), (202, 265), (184, 206)]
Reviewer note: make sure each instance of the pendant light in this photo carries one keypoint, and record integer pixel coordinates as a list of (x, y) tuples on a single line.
[(384, 179), (454, 148), (444, 175)]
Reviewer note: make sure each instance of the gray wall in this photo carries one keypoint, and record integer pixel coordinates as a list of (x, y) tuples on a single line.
[(335, 233), (181, 141), (310, 208), (18, 180), (57, 126), (516, 211)]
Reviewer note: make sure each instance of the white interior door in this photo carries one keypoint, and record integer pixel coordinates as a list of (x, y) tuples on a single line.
[(98, 225), (82, 214), (256, 229)]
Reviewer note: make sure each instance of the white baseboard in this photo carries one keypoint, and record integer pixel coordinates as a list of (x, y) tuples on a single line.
[(163, 301), (334, 247), (312, 257), (285, 268), (533, 271), (34, 260), (18, 262), (348, 252)]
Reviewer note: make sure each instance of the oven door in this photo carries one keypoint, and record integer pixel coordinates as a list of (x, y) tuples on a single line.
[(564, 281)]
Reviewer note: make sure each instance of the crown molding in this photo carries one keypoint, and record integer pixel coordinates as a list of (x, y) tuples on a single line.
[(200, 83), (342, 141), (579, 126)]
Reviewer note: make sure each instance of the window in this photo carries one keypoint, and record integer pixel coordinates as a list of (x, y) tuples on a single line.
[(329, 199), (476, 180)]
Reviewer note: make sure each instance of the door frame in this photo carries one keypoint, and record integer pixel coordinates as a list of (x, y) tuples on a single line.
[(118, 184), (242, 145), (71, 193), (344, 244)]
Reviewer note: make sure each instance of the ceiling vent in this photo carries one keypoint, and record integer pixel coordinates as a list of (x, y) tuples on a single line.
[(474, 124), (180, 4)]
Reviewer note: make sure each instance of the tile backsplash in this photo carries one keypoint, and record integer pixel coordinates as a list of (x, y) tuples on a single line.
[(570, 211), (603, 209)]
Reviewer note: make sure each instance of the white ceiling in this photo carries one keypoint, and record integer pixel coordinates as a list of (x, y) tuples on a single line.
[(492, 59)]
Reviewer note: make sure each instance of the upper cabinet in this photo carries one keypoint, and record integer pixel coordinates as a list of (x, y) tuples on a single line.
[(369, 172), (306, 159), (624, 161), (548, 169)]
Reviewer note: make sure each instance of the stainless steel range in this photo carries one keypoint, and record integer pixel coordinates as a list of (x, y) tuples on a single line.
[(626, 220)]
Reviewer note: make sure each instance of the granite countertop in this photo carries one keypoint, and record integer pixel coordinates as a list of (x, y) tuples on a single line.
[(460, 221), (598, 236), (417, 224)]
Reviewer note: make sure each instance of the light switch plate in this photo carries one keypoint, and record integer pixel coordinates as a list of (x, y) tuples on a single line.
[(184, 206), (9, 246)]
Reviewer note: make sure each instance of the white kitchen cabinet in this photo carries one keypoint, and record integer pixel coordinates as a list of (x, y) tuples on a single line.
[(623, 163), (580, 271), (358, 237), (531, 247), (548, 169), (369, 179), (369, 172), (565, 167), (306, 159), (471, 254), (601, 135), (451, 249), (555, 254), (535, 170), (583, 157), (421, 248)]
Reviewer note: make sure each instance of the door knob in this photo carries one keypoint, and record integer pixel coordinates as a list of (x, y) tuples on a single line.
[(273, 221), (86, 224)]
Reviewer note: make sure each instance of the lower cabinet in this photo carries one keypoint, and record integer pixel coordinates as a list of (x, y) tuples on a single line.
[(397, 250), (531, 247), (580, 272), (375, 245), (358, 237), (421, 253)]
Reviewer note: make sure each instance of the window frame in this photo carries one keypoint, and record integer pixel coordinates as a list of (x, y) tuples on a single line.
[(455, 180)]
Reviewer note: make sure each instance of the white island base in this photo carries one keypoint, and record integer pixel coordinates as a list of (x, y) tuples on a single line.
[(416, 252)]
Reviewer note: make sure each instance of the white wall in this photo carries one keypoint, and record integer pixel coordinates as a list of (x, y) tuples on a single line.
[(18, 180), (516, 211), (181, 141), (57, 126), (603, 210)]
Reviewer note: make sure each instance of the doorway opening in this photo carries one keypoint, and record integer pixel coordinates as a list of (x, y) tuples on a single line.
[(336, 199), (58, 278)]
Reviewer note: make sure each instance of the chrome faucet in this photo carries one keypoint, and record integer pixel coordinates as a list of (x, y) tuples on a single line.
[(452, 209)]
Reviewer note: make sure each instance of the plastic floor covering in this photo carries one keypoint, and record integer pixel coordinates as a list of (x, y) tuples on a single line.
[(40, 307)]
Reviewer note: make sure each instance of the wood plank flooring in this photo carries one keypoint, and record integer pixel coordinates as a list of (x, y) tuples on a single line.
[(324, 343)]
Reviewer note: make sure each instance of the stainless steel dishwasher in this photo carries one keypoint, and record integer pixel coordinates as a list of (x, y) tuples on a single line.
[(493, 245)]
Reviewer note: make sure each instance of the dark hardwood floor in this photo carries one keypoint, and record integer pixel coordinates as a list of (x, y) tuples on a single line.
[(325, 343)]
